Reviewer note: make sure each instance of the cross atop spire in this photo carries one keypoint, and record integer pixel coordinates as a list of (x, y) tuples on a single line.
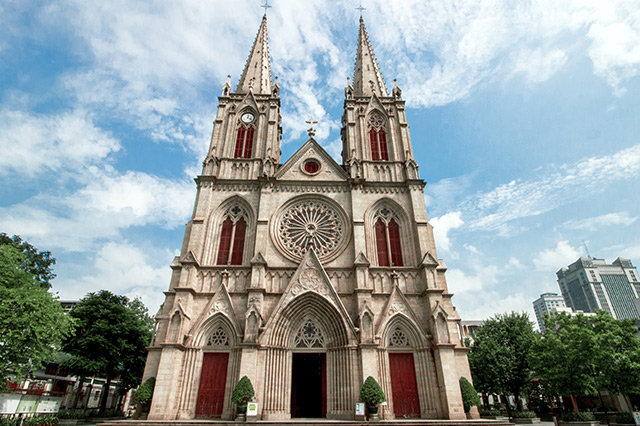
[(367, 78), (256, 76)]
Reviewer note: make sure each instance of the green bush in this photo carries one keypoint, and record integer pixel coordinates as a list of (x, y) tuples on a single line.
[(581, 416), (111, 413), (50, 419), (243, 392), (8, 421), (71, 414), (371, 392), (625, 418), (524, 414), (470, 397), (145, 392), (490, 413)]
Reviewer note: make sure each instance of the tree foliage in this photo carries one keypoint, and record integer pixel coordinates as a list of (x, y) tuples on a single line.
[(581, 355), (470, 397), (110, 339), (500, 355), (32, 322), (145, 392), (372, 392), (36, 263)]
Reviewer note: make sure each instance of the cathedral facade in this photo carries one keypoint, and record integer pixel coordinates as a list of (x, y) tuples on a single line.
[(308, 276)]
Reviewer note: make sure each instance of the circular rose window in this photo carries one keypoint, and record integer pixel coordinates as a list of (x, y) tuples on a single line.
[(307, 222), (311, 167)]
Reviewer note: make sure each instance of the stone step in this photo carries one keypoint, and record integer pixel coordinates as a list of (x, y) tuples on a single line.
[(308, 422)]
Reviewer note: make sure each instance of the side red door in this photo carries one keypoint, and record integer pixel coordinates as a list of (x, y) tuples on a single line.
[(212, 383), (403, 385)]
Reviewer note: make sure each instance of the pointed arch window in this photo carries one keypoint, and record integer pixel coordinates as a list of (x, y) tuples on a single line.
[(378, 138), (388, 243), (232, 237), (244, 141)]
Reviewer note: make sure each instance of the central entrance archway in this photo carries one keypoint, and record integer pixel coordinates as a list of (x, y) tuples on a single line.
[(309, 385)]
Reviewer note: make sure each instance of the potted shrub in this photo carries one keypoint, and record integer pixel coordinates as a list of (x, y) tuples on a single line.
[(142, 398), (470, 397), (242, 394), (372, 394)]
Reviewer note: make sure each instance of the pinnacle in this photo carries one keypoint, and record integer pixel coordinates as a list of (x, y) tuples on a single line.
[(256, 76)]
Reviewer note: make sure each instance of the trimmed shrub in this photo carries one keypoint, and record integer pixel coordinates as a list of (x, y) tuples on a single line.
[(243, 392), (145, 392), (491, 413), (371, 392), (524, 414), (581, 416), (71, 414), (470, 397), (625, 418)]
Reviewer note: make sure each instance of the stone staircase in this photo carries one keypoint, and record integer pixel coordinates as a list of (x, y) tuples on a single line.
[(307, 422)]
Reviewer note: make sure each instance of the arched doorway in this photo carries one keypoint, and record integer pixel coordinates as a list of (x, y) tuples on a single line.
[(309, 373)]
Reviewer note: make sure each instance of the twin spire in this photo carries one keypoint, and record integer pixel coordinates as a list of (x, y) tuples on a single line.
[(257, 71), (367, 78)]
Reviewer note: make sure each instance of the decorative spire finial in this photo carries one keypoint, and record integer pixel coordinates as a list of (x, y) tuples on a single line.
[(360, 8), (266, 6), (311, 122)]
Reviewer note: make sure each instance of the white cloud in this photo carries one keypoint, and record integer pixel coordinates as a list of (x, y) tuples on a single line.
[(38, 144), (441, 227), (480, 278), (556, 258), (104, 208), (519, 199), (538, 65), (124, 269), (595, 223)]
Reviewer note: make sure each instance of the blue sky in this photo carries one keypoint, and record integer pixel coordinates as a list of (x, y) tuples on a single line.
[(524, 120)]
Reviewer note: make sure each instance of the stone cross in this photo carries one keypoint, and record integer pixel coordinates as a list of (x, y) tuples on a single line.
[(311, 122)]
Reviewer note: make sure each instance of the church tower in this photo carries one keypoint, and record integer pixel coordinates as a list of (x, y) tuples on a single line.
[(308, 276)]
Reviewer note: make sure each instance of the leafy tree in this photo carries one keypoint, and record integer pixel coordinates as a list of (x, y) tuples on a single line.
[(582, 355), (110, 340), (470, 397), (145, 392), (500, 355), (32, 322), (37, 263)]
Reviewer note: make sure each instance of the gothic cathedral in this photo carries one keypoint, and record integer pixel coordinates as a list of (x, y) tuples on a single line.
[(308, 276)]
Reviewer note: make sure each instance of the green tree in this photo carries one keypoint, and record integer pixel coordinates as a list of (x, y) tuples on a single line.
[(500, 355), (582, 355), (32, 322), (37, 263), (110, 340)]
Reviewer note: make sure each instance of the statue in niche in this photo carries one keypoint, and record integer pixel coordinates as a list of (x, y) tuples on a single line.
[(251, 328), (354, 165)]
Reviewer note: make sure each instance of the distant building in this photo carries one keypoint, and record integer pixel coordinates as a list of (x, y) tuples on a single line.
[(546, 304), (470, 328), (591, 284)]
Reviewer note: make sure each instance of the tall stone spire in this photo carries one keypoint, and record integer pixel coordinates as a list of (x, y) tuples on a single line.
[(367, 77), (257, 71)]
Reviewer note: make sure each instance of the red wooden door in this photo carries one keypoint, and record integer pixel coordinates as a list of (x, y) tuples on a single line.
[(213, 380), (403, 386)]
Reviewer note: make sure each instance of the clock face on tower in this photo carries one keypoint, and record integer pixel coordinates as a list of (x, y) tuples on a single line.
[(247, 118)]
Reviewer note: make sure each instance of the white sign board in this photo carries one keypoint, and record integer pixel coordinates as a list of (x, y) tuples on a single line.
[(359, 408), (636, 417), (252, 409), (49, 404), (28, 404), (9, 403)]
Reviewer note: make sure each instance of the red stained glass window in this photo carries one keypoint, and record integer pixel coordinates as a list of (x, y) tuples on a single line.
[(381, 243), (238, 242), (382, 140), (244, 142), (311, 166), (375, 153), (225, 242), (394, 243)]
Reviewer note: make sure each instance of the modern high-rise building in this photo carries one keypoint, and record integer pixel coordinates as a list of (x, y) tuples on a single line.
[(591, 284), (546, 304), (308, 276)]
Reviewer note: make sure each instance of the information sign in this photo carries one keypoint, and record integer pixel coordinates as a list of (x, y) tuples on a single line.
[(28, 404), (359, 408), (252, 409), (9, 403), (636, 417), (49, 404)]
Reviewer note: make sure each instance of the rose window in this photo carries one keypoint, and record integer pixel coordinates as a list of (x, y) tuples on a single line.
[(309, 336), (398, 339), (218, 338), (309, 224)]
